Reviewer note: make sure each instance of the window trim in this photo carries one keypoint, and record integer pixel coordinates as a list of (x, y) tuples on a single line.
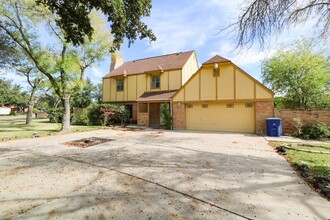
[(122, 87)]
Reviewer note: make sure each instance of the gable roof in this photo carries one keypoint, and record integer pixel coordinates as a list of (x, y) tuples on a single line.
[(216, 59), (164, 62)]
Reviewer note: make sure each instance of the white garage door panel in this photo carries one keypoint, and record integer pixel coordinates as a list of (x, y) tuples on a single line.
[(217, 117)]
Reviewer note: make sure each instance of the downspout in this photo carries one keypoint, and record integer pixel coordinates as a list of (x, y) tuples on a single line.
[(171, 112)]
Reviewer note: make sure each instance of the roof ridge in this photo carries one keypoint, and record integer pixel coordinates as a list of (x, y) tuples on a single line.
[(146, 58)]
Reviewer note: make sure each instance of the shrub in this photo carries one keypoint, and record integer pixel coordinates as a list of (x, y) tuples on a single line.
[(315, 131), (108, 114), (55, 115), (12, 113), (80, 117), (166, 116)]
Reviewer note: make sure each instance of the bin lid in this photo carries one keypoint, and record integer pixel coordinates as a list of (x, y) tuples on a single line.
[(273, 118)]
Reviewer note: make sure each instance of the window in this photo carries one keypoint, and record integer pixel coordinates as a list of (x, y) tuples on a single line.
[(189, 105), (230, 105), (155, 82), (120, 85), (249, 105), (205, 105)]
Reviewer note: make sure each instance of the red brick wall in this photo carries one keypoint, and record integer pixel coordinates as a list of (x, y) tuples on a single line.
[(306, 116), (263, 110), (179, 116), (143, 119)]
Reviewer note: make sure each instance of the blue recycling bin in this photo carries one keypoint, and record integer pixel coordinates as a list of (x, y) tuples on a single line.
[(274, 127)]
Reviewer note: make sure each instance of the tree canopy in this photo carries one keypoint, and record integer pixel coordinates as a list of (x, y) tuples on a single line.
[(62, 63), (124, 18), (12, 94), (301, 75), (261, 19)]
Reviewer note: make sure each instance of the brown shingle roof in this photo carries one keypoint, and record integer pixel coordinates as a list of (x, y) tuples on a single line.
[(216, 59), (157, 96), (165, 62)]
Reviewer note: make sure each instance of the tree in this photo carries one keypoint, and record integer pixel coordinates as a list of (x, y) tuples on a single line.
[(11, 94), (301, 75), (8, 53), (82, 98), (97, 93), (124, 16), (58, 61), (35, 80), (261, 19)]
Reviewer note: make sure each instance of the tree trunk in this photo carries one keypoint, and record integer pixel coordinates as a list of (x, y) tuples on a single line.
[(30, 107), (66, 115)]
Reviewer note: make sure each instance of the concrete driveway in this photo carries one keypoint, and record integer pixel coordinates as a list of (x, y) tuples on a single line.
[(152, 174)]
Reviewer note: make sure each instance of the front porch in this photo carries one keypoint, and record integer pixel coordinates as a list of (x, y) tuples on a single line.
[(149, 107)]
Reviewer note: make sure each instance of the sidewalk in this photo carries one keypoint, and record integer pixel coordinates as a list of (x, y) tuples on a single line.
[(294, 140)]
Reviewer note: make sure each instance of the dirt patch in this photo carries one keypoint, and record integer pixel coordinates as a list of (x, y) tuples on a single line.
[(87, 142)]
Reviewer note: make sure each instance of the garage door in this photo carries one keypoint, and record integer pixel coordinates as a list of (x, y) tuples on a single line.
[(238, 117)]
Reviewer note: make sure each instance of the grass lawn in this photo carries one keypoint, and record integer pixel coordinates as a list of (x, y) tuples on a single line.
[(40, 127), (318, 165)]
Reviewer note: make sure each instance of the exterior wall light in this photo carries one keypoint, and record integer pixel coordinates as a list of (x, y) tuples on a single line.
[(216, 70)]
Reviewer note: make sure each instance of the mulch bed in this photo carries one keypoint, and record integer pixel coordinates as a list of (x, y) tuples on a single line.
[(87, 142)]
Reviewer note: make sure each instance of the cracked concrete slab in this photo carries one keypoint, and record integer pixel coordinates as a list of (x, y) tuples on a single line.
[(152, 175)]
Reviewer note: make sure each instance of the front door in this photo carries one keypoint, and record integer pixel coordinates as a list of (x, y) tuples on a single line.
[(154, 115)]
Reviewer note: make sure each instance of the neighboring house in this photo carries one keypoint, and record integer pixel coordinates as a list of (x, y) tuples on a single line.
[(144, 85), (219, 96)]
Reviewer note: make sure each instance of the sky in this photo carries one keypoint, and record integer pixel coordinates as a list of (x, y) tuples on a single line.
[(194, 25)]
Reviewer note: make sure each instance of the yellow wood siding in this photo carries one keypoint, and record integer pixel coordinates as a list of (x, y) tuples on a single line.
[(164, 81), (113, 89), (232, 84), (208, 90), (174, 79), (106, 90), (141, 84), (131, 87), (217, 117), (192, 89), (262, 93), (189, 68), (244, 86), (226, 83)]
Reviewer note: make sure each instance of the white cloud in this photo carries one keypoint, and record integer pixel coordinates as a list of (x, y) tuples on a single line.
[(182, 28)]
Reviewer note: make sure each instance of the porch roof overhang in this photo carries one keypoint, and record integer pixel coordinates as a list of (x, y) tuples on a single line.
[(157, 96)]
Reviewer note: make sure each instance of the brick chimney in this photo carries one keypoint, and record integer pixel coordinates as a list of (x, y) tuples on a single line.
[(116, 61)]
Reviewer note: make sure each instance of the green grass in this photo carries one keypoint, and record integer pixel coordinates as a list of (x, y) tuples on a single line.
[(318, 164), (18, 129)]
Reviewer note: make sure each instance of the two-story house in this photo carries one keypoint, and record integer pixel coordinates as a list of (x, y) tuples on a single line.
[(218, 96), (144, 85)]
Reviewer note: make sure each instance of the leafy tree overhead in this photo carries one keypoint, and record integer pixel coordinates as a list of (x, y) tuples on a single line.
[(301, 75), (8, 51), (261, 19), (124, 17)]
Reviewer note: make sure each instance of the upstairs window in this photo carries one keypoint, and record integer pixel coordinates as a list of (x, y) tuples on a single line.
[(120, 85), (155, 82)]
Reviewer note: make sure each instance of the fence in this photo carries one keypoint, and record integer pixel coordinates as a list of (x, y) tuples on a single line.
[(306, 116)]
